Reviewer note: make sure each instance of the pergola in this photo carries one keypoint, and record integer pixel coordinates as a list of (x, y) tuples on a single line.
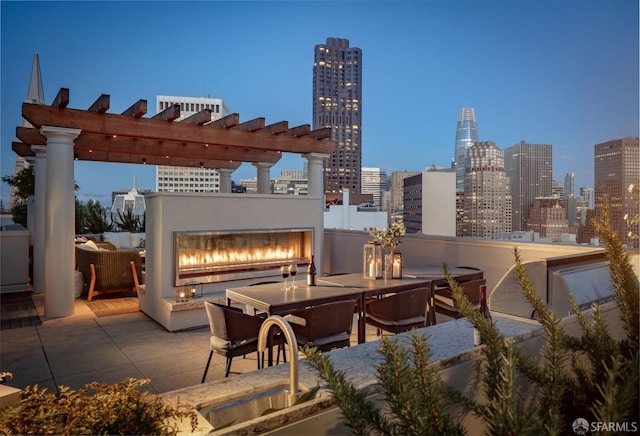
[(59, 135)]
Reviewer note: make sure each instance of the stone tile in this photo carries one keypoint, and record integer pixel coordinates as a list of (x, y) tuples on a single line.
[(157, 349), (111, 374), (172, 364), (100, 358)]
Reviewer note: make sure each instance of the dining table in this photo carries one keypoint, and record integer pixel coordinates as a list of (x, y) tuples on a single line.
[(271, 299)]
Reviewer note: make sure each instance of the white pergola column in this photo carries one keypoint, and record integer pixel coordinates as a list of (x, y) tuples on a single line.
[(225, 179), (59, 222), (264, 177), (315, 188), (40, 196)]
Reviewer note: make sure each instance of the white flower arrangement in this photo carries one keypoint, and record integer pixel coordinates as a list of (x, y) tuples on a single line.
[(390, 238)]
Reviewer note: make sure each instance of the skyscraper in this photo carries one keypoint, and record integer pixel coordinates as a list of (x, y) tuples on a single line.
[(337, 103), (487, 202), (374, 181), (466, 136), (570, 184), (616, 166), (529, 168)]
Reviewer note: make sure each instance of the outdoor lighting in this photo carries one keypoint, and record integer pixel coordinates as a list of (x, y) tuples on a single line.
[(372, 261), (182, 295), (396, 272)]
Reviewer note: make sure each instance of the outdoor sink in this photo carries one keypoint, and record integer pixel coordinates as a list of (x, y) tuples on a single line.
[(251, 406)]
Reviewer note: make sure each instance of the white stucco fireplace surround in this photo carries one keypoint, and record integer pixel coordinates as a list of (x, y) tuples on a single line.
[(171, 213)]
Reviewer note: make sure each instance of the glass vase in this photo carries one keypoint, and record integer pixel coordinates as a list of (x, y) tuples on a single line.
[(388, 263)]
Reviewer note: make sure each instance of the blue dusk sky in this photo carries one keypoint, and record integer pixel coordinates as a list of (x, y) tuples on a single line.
[(545, 71)]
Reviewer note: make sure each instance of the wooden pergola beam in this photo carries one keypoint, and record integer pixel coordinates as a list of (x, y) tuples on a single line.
[(275, 128), (251, 125), (62, 98), (111, 124), (138, 109), (101, 105), (199, 118), (225, 122), (145, 147), (169, 114)]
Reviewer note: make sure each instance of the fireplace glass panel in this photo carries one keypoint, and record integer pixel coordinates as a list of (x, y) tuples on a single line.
[(217, 256)]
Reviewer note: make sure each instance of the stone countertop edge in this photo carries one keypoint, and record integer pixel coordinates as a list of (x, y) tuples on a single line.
[(451, 342)]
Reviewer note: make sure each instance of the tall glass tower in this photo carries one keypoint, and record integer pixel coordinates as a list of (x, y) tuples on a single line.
[(466, 136), (337, 103), (529, 168)]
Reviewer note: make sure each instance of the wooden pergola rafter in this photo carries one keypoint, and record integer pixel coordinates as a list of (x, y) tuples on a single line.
[(195, 141)]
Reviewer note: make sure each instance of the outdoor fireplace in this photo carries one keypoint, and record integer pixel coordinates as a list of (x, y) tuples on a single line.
[(217, 256)]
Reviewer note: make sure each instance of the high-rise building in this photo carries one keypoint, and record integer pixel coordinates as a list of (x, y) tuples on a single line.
[(587, 194), (570, 184), (616, 167), (548, 217), (466, 136), (189, 179), (486, 198), (374, 181), (397, 189), (529, 168), (557, 189), (337, 103), (430, 202)]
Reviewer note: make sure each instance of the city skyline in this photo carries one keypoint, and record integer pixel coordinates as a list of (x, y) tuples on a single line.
[(562, 74)]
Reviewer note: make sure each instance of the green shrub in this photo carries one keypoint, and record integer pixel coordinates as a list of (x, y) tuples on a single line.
[(97, 409)]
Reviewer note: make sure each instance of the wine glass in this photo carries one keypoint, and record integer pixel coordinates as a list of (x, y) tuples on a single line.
[(293, 270), (284, 270)]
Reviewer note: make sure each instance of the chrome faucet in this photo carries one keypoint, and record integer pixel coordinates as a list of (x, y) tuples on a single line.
[(293, 351)]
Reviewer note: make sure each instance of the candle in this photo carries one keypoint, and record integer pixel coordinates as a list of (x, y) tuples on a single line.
[(396, 268)]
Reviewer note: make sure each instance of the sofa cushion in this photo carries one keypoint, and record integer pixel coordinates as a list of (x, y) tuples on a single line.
[(89, 245)]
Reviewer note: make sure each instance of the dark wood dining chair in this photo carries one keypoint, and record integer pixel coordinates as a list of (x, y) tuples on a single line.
[(326, 326), (399, 312), (233, 333), (443, 297)]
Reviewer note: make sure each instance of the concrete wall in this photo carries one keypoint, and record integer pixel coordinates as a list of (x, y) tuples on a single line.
[(14, 266), (170, 212)]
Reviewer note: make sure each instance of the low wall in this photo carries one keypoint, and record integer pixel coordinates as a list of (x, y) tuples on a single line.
[(343, 253), (14, 264)]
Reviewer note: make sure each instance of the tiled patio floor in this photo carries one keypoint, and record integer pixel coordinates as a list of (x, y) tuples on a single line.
[(84, 347)]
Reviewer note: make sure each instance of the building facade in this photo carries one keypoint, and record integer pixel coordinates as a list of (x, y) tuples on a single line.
[(396, 189), (548, 218), (430, 202), (616, 167), (189, 179), (487, 201), (337, 103), (529, 168), (374, 181), (570, 184), (466, 136)]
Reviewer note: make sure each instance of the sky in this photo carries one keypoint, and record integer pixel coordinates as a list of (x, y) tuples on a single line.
[(563, 73)]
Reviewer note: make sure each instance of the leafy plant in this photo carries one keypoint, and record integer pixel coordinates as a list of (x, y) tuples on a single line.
[(97, 409), (127, 221), (24, 182), (95, 218), (415, 393)]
